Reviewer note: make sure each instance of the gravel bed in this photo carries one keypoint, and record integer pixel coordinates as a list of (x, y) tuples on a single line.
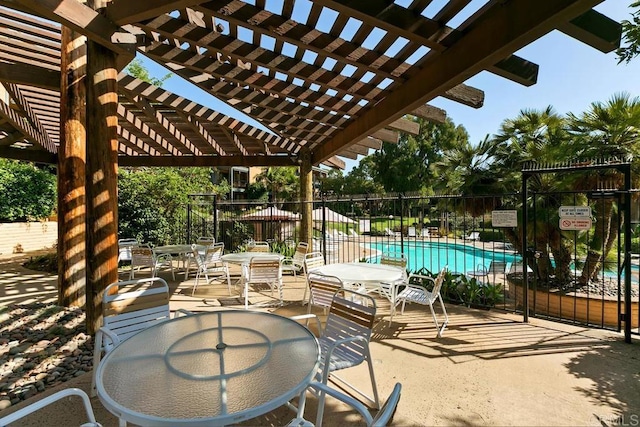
[(41, 346)]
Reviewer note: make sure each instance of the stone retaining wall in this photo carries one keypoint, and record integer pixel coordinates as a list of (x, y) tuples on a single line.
[(17, 237)]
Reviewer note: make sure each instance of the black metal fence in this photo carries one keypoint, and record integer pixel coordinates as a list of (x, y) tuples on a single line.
[(455, 231)]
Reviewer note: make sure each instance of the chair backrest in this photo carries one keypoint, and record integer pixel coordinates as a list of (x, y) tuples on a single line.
[(411, 232), (497, 267), (396, 261), (131, 306), (142, 255), (322, 289), (46, 401), (198, 258), (349, 317), (124, 248), (301, 252), (312, 261), (214, 253), (265, 268), (205, 240), (439, 281), (258, 247)]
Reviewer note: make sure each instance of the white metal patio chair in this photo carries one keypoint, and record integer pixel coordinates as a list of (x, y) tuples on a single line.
[(295, 264), (205, 240), (143, 257), (259, 247), (322, 289), (124, 248), (382, 418), (420, 295), (211, 264), (264, 270), (474, 236), (344, 342), (46, 401), (127, 308), (388, 290), (312, 260)]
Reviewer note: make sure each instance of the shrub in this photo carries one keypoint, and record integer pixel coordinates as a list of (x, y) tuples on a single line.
[(28, 192)]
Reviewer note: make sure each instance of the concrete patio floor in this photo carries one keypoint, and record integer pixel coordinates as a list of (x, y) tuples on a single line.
[(489, 368)]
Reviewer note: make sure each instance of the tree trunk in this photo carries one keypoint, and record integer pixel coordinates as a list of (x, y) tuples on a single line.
[(601, 233)]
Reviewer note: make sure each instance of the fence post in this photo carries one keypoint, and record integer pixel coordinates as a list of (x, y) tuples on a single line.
[(324, 228), (189, 222), (400, 196), (215, 217)]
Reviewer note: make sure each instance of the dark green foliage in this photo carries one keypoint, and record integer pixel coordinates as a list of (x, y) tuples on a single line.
[(151, 201), (630, 35), (28, 192)]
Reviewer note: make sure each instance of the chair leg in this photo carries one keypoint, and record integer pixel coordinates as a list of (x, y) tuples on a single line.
[(246, 295), (226, 270), (446, 316), (196, 285), (435, 319)]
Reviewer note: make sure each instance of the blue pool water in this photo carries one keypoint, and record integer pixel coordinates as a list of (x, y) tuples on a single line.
[(435, 255)]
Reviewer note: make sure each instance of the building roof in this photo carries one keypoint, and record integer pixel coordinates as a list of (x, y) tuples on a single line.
[(328, 78)]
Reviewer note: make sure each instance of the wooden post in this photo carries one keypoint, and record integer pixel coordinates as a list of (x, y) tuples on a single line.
[(306, 197), (71, 171), (102, 170)]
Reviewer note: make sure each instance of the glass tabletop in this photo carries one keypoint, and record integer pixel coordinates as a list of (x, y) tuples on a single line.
[(361, 272), (208, 369), (245, 257)]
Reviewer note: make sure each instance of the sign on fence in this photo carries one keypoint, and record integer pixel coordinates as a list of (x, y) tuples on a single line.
[(575, 223), (575, 212), (504, 218)]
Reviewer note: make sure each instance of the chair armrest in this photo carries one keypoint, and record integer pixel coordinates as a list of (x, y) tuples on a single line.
[(115, 339), (354, 403), (309, 316), (51, 399), (182, 311), (164, 257)]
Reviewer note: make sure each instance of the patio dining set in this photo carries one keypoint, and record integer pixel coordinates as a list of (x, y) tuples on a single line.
[(229, 365)]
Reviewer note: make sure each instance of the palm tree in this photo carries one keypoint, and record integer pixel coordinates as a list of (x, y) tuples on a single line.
[(281, 182), (605, 130), (537, 136)]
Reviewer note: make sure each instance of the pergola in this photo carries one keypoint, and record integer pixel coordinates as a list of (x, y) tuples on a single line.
[(330, 78)]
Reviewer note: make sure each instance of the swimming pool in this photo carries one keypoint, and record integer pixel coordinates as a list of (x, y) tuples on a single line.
[(433, 256)]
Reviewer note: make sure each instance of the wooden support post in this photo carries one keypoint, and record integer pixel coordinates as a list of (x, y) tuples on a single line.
[(306, 197), (102, 170), (71, 171)]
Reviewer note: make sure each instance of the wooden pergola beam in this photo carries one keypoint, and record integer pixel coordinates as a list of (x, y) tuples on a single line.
[(501, 30), (430, 113), (30, 75), (36, 156), (31, 116), (595, 29), (188, 161), (87, 21), (126, 11), (428, 32)]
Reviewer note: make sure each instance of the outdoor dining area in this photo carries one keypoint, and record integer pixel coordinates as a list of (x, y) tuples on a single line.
[(200, 336)]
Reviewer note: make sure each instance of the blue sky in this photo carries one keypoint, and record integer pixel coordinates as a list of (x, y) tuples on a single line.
[(572, 75)]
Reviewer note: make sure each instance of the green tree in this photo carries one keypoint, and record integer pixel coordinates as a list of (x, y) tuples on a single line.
[(405, 167), (606, 130), (538, 136), (151, 201), (357, 181), (28, 192), (281, 182), (630, 35), (139, 71)]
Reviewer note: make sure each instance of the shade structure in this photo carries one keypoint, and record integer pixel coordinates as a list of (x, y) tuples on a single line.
[(330, 216), (271, 213)]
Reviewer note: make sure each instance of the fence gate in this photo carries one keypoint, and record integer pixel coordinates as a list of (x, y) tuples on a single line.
[(578, 244)]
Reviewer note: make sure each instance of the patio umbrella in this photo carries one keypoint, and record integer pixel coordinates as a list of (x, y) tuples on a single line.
[(271, 213), (330, 216)]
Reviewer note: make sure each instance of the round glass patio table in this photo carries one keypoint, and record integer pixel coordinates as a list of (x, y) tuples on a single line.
[(361, 272), (211, 369), (245, 257)]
